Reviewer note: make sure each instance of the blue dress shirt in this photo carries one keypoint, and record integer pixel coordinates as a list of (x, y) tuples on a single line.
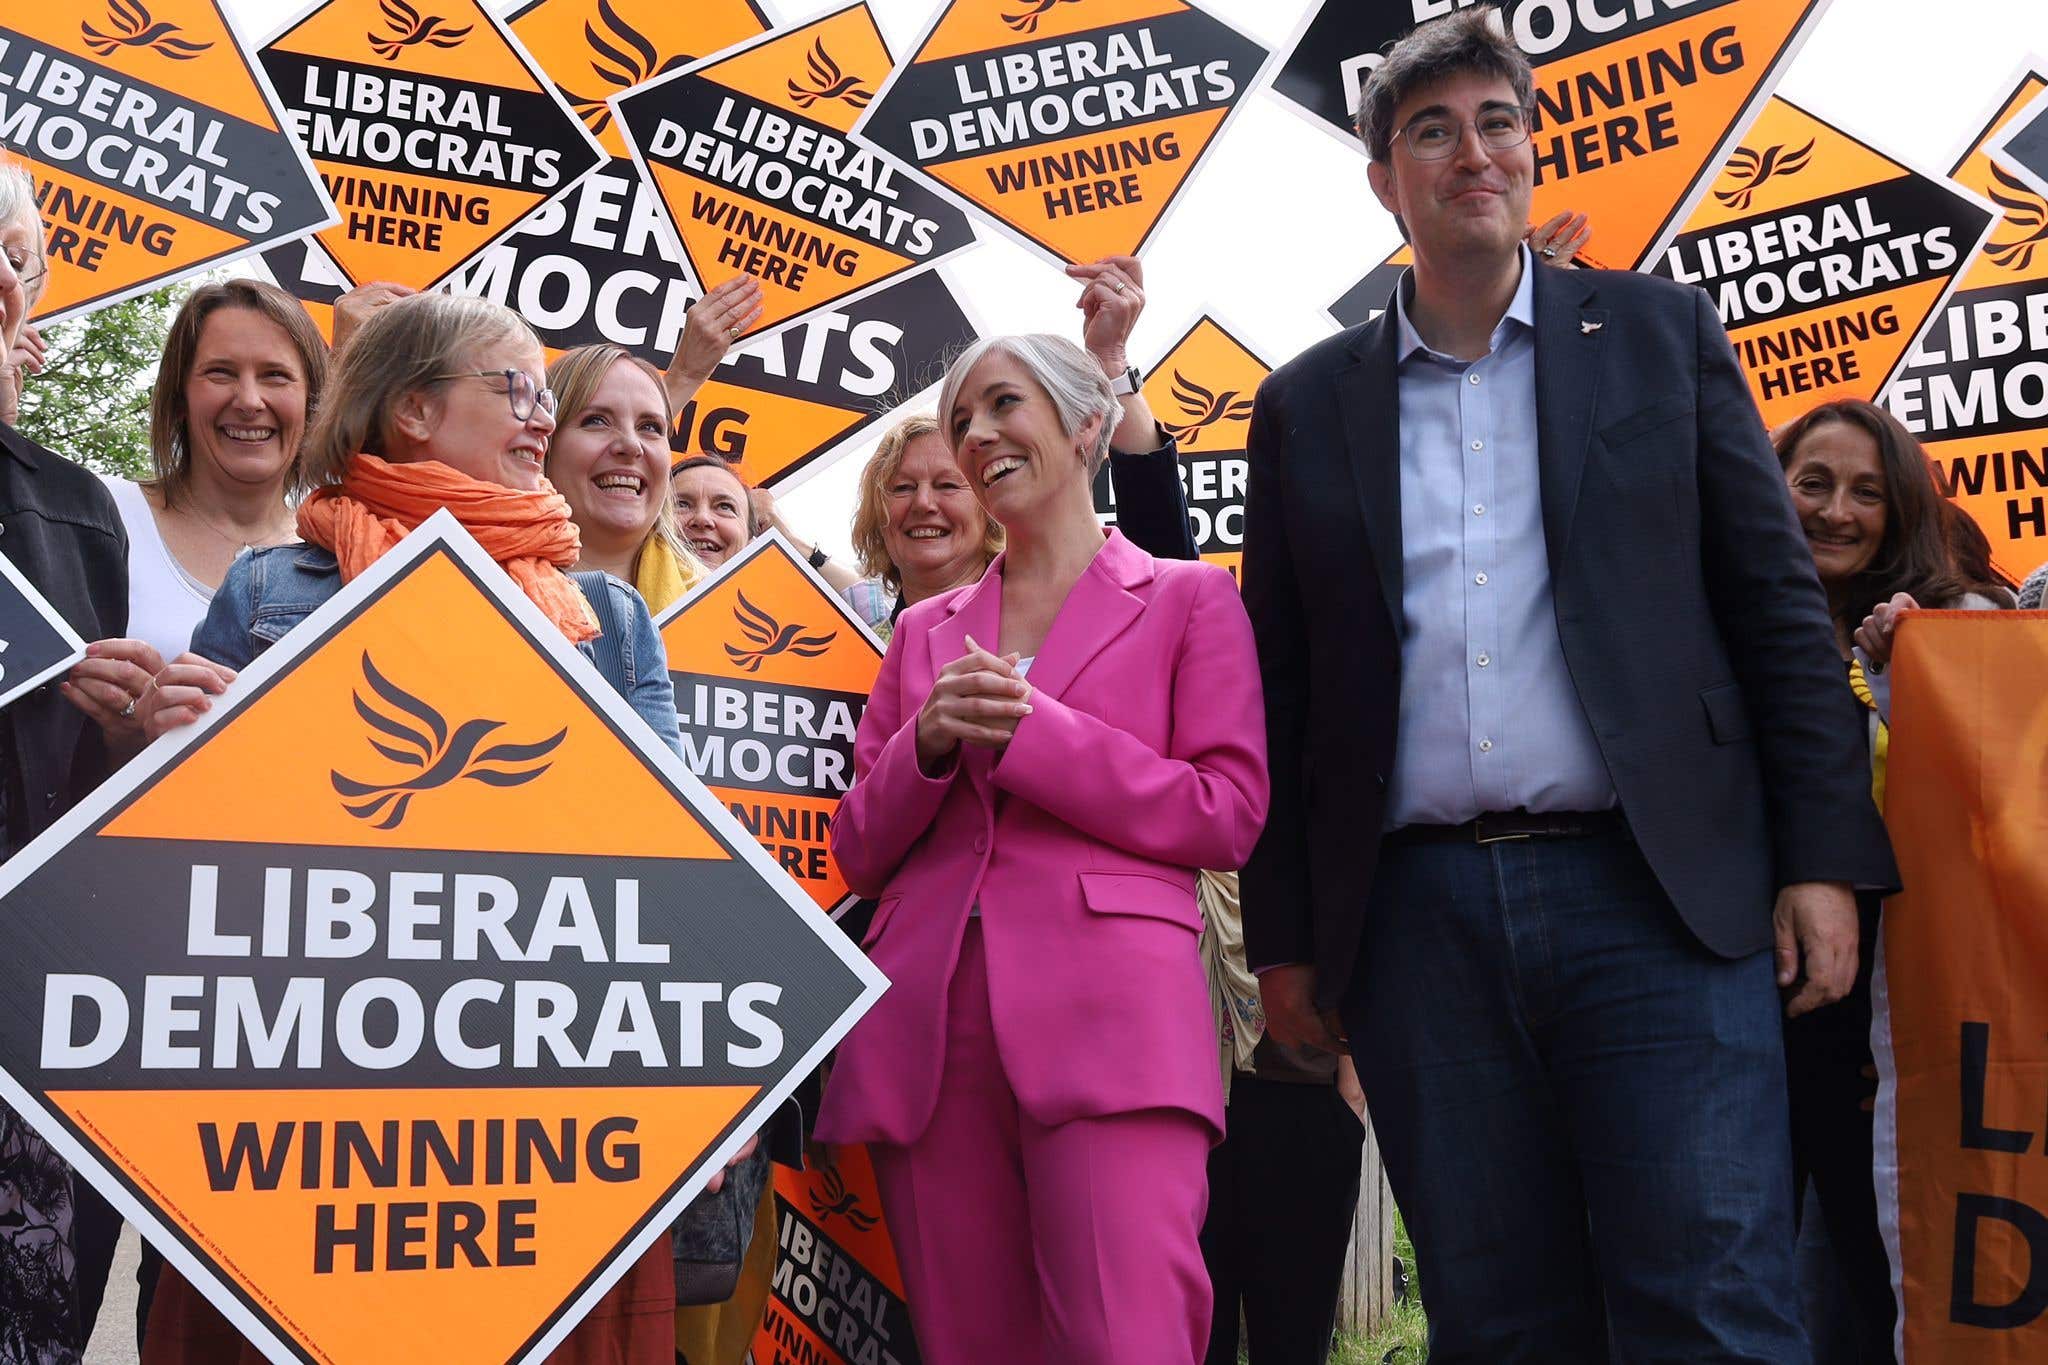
[(1490, 720)]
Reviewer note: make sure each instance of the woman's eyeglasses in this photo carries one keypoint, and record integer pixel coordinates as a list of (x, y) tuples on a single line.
[(520, 390)]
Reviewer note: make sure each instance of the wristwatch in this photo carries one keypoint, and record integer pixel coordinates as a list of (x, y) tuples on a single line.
[(1125, 383), (818, 557)]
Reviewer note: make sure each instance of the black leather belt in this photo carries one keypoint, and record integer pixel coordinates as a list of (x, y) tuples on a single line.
[(1496, 826)]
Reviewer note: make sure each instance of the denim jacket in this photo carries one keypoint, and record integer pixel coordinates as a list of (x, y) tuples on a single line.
[(268, 592)]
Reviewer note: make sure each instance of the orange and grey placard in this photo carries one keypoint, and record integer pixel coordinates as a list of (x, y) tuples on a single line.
[(157, 145), (417, 983)]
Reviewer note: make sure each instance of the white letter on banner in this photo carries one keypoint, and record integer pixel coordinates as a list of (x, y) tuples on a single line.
[(668, 139), (202, 939), (61, 993)]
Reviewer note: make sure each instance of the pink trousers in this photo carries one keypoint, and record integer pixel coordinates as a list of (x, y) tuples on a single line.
[(1023, 1244)]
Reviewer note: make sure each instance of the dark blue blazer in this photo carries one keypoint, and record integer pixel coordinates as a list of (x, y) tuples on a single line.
[(1692, 621)]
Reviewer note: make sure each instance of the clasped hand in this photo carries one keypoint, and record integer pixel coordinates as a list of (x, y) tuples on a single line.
[(977, 699)]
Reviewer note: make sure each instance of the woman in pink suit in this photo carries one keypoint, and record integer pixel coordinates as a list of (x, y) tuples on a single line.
[(1048, 756)]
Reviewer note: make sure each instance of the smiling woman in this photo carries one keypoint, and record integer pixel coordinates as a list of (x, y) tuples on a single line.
[(610, 458)]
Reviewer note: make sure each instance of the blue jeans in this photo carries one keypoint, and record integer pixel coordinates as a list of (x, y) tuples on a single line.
[(1582, 1110)]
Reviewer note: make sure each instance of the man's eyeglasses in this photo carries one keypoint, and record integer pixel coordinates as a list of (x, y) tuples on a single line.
[(520, 390), (1432, 137)]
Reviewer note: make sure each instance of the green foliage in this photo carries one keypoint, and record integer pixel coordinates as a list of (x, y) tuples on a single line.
[(91, 402)]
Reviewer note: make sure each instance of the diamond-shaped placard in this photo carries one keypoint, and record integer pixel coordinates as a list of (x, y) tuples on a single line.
[(1636, 105), (772, 673), (1071, 124), (36, 642), (1201, 389), (213, 174), (752, 157), (1970, 388), (434, 130), (1824, 257), (417, 983)]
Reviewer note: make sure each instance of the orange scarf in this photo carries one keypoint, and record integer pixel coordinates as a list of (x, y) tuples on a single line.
[(377, 504)]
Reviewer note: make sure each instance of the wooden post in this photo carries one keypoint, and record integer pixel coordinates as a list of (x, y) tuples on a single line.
[(1368, 1293)]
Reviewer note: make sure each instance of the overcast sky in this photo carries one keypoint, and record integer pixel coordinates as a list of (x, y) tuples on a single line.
[(1279, 220)]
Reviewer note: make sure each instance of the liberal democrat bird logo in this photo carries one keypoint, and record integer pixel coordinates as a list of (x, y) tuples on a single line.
[(1027, 21), (422, 740), (1750, 171), (841, 1201), (625, 58), (405, 28), (133, 28), (828, 82), (771, 638), (1203, 408), (2024, 210)]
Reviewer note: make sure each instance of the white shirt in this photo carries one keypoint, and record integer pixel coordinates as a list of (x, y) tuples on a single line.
[(165, 603)]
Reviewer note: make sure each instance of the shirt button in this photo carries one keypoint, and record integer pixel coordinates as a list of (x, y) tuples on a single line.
[(1485, 746), (1478, 509), (1472, 379), (1480, 579), (1479, 445), (1483, 660)]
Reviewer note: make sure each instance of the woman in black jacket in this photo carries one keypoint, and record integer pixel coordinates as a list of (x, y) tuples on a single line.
[(59, 527)]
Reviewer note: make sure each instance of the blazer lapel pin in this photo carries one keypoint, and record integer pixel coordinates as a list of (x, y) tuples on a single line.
[(1587, 327)]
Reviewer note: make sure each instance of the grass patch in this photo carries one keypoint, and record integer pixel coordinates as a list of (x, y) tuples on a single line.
[(1403, 1339)]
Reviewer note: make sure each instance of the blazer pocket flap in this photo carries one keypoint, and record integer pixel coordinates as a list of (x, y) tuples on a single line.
[(1727, 713), (1140, 893), (1645, 419), (883, 911)]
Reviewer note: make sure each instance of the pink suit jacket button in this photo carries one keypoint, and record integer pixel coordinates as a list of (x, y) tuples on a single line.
[(981, 843)]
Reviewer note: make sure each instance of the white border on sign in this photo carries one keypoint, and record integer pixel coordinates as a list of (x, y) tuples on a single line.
[(10, 690), (1285, 50), (254, 65), (2028, 68), (1966, 253), (2035, 111), (1674, 224), (599, 157), (773, 539), (668, 224), (1253, 84), (438, 533)]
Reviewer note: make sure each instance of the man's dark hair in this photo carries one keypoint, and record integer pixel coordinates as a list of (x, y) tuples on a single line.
[(1468, 42)]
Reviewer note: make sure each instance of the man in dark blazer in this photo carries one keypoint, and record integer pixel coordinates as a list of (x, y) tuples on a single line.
[(1561, 751)]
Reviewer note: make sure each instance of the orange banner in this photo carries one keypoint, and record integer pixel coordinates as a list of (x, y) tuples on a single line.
[(1961, 1033)]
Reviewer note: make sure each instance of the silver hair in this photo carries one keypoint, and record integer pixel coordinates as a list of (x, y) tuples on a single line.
[(1069, 375), (18, 205)]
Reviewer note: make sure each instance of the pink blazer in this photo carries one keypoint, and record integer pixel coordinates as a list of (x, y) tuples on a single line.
[(1143, 759)]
